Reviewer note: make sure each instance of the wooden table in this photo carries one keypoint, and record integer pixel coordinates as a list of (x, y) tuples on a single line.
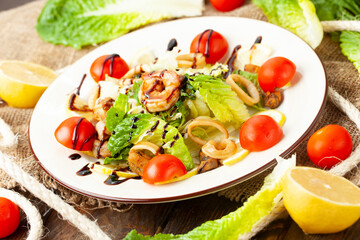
[(176, 217)]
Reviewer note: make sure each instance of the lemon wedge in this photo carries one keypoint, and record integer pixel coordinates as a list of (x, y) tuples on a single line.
[(183, 177), (320, 202), (278, 116), (109, 169), (23, 83)]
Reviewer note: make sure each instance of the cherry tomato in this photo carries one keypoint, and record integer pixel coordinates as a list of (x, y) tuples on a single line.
[(163, 167), (276, 73), (76, 133), (259, 133), (329, 146), (9, 217), (112, 65), (226, 5), (215, 50)]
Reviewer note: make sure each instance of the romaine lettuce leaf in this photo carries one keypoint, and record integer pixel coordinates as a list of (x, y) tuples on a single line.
[(117, 112), (78, 23), (298, 16), (350, 46), (222, 101), (170, 139), (241, 221), (137, 127), (342, 10), (127, 130)]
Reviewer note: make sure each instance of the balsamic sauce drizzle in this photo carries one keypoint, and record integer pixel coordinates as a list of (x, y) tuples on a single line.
[(75, 137), (172, 43), (113, 179), (99, 148), (84, 171), (75, 156), (207, 47), (257, 40), (231, 60), (112, 59), (155, 126), (73, 96)]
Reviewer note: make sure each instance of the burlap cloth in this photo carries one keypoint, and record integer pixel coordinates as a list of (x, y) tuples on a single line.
[(19, 40)]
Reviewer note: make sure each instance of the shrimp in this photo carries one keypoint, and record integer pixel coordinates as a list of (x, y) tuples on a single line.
[(160, 90)]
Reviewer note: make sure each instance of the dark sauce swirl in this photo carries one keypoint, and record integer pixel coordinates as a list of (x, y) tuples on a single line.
[(172, 43)]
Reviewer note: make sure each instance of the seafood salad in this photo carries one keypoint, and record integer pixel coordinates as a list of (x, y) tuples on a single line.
[(166, 118)]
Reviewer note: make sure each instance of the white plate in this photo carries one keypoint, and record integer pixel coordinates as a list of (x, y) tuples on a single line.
[(303, 103)]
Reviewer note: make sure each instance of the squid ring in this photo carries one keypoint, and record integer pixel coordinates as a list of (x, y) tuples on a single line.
[(205, 122), (254, 97), (143, 145), (191, 60), (219, 150)]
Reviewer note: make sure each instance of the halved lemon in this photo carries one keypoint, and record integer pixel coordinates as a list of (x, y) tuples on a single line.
[(278, 116), (183, 177), (109, 169), (320, 202), (23, 83)]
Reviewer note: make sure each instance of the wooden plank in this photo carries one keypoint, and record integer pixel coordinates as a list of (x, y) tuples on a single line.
[(191, 213), (145, 218)]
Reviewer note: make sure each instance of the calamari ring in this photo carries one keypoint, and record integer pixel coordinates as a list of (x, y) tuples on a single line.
[(205, 122), (254, 97), (144, 145), (219, 150)]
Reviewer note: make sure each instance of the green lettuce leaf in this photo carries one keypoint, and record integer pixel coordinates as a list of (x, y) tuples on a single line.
[(126, 131), (121, 157), (117, 112), (176, 115), (170, 139), (78, 23), (241, 221), (298, 16), (337, 10), (222, 101), (350, 46), (148, 128), (342, 10)]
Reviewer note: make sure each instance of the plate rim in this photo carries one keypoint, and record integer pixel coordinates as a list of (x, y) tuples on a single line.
[(208, 190)]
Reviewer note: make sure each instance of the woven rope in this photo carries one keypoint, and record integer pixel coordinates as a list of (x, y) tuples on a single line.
[(32, 213), (341, 25), (85, 225)]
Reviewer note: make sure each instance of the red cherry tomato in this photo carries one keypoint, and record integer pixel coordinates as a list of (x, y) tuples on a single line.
[(329, 146), (9, 217), (276, 73), (214, 47), (112, 65), (259, 133), (226, 5), (163, 167), (76, 133)]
